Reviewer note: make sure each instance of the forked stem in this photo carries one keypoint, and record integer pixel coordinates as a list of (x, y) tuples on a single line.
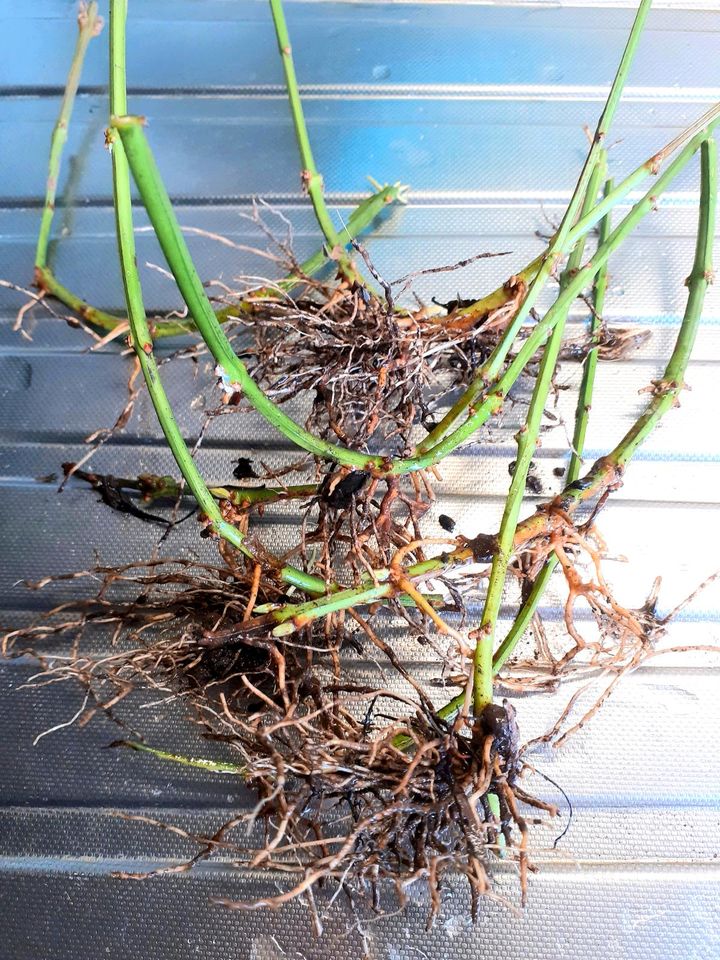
[(493, 394), (527, 439), (693, 134), (608, 471), (559, 245)]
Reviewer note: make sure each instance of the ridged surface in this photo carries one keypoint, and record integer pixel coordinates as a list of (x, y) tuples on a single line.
[(480, 109)]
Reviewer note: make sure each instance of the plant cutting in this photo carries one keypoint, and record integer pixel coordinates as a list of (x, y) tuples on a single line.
[(359, 782)]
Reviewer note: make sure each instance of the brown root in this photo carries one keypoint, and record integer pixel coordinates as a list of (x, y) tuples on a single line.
[(340, 799)]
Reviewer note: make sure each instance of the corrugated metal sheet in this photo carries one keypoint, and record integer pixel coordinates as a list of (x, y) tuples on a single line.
[(480, 108)]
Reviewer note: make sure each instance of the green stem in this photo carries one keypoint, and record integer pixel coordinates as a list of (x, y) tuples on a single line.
[(360, 219), (294, 617), (609, 468), (162, 216), (175, 249), (311, 179), (668, 389), (587, 384), (559, 244), (210, 766), (142, 341), (493, 399), (160, 211), (491, 301), (46, 280), (481, 308), (157, 203), (141, 338), (527, 439), (89, 26), (528, 608)]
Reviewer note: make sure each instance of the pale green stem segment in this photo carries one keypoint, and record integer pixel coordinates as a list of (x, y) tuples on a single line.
[(359, 220), (666, 394), (493, 802), (527, 439), (141, 338), (89, 26), (246, 496), (558, 246), (210, 766), (292, 617), (668, 389), (311, 179)]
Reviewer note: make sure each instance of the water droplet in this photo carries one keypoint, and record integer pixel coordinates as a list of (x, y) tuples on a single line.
[(552, 73), (381, 71)]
